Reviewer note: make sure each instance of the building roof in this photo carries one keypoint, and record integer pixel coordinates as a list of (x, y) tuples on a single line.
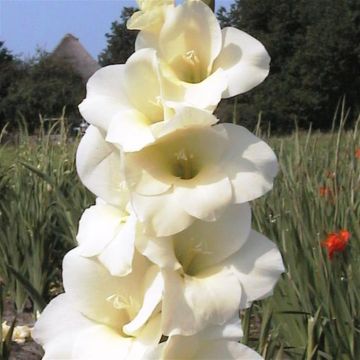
[(72, 51)]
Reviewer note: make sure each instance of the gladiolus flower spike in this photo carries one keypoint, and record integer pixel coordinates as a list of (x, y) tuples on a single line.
[(168, 248)]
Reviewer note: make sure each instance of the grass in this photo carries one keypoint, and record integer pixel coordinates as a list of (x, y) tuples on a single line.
[(41, 200), (315, 310)]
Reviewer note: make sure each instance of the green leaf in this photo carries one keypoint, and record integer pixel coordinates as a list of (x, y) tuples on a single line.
[(32, 292), (38, 173)]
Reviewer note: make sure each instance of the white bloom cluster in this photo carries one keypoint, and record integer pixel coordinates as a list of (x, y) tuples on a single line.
[(167, 257)]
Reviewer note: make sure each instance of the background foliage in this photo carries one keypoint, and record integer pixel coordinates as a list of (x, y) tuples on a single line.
[(314, 47), (41, 200), (314, 312), (315, 55), (42, 85), (120, 41)]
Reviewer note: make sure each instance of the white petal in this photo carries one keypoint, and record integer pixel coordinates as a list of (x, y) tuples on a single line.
[(223, 349), (206, 197), (130, 129), (155, 353), (147, 184), (196, 346), (231, 330), (208, 239), (150, 17), (191, 303), (99, 110), (159, 250), (144, 173), (105, 96), (142, 20), (203, 95), (207, 94), (118, 256), (97, 227), (142, 83), (58, 327), (191, 26), (185, 117), (147, 339), (107, 81), (146, 39), (244, 59), (99, 167), (153, 289), (151, 171), (207, 344), (92, 289), (181, 347), (101, 342), (258, 265), (250, 164), (66, 334), (152, 210), (189, 348), (172, 88)]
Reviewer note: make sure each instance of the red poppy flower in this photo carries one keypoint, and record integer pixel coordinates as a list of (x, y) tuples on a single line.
[(324, 191), (336, 242), (357, 153)]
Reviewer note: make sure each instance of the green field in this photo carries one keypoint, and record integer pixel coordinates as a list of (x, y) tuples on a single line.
[(315, 310)]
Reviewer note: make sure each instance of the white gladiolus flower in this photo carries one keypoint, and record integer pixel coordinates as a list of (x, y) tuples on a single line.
[(125, 103), (150, 16), (99, 167), (114, 98), (102, 316), (215, 342), (186, 175), (195, 174), (168, 248), (109, 233), (201, 63), (211, 270)]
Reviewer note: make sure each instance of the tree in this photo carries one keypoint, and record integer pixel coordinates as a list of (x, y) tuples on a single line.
[(43, 86), (8, 72), (315, 58), (120, 41), (5, 54)]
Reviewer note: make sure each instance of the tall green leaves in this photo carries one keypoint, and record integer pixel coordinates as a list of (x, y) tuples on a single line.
[(315, 311), (41, 200)]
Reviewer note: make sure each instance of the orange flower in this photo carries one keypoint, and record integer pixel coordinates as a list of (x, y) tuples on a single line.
[(357, 153), (324, 191), (336, 242)]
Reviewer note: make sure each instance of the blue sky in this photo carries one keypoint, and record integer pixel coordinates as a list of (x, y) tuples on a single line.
[(27, 24)]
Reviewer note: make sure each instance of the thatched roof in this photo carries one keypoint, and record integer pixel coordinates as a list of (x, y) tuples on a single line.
[(71, 50)]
